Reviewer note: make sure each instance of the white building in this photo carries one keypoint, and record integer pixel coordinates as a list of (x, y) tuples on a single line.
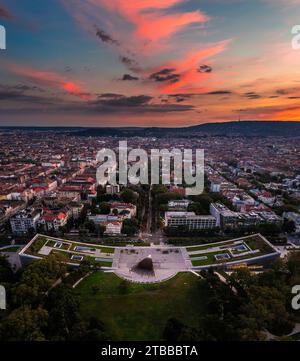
[(224, 216), (113, 228), (76, 209), (112, 189), (126, 210), (53, 221), (102, 219), (215, 187), (267, 198), (179, 205), (24, 221), (190, 220)]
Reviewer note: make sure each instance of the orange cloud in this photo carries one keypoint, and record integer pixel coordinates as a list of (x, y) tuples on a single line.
[(49, 79), (188, 69), (154, 28), (288, 114), (130, 7), (145, 20)]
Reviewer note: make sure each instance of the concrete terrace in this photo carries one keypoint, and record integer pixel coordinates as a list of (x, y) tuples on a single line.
[(167, 260)]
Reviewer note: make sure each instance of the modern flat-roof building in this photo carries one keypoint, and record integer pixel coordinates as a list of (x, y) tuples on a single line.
[(224, 216), (179, 205), (112, 189), (24, 221), (190, 220)]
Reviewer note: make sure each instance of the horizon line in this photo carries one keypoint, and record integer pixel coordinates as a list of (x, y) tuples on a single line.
[(144, 127)]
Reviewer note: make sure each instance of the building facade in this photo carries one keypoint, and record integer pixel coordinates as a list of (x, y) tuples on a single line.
[(24, 221), (190, 220)]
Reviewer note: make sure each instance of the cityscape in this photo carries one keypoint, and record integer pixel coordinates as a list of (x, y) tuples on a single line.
[(106, 244), (88, 255)]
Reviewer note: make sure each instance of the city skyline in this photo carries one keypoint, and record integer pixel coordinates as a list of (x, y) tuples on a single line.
[(124, 63)]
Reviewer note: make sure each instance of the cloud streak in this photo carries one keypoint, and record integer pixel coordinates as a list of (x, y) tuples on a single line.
[(5, 13), (47, 79)]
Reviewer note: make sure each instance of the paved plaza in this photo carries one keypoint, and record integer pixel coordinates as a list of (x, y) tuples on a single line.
[(167, 262)]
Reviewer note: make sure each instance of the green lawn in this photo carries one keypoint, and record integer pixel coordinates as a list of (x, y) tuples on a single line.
[(101, 262), (226, 245), (142, 312), (11, 249), (104, 263), (210, 259), (107, 250)]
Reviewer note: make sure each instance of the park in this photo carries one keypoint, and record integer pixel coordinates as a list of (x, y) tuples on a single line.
[(164, 262)]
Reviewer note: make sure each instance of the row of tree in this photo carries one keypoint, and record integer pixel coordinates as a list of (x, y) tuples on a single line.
[(41, 304), (248, 308)]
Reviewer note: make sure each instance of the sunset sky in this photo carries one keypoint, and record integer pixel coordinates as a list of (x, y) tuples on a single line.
[(148, 62)]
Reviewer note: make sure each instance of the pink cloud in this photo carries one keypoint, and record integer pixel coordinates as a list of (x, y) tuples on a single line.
[(188, 68), (140, 20), (48, 79), (144, 31), (153, 28)]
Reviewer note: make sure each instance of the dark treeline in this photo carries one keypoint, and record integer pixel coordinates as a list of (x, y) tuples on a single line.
[(42, 306), (248, 308)]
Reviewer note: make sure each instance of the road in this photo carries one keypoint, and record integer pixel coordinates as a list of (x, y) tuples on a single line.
[(149, 218), (150, 235)]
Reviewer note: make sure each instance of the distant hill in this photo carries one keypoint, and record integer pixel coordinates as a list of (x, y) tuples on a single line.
[(247, 129), (250, 128)]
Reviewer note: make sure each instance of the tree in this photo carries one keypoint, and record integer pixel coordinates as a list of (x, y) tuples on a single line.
[(62, 306), (164, 198), (24, 324), (130, 227), (176, 331), (93, 330), (102, 229), (36, 280), (197, 208), (288, 226), (172, 330), (159, 188), (6, 273), (25, 294), (90, 226), (100, 193), (129, 196), (268, 307), (104, 208), (83, 233), (293, 264), (115, 212)]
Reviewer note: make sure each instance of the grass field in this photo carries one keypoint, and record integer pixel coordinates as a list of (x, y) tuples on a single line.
[(211, 260), (11, 249), (142, 312)]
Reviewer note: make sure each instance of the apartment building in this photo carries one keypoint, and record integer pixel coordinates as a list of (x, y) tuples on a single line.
[(25, 221), (225, 218), (113, 228), (190, 220), (179, 205), (112, 189)]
